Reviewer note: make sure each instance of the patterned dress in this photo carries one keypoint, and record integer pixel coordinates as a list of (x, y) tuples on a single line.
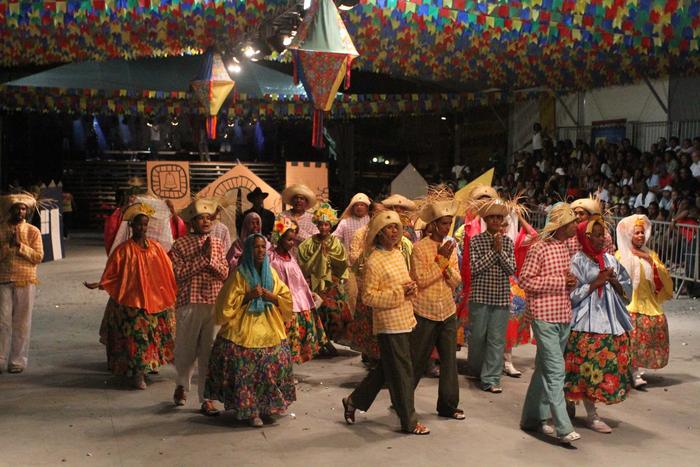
[(326, 274), (137, 327), (305, 332), (597, 357)]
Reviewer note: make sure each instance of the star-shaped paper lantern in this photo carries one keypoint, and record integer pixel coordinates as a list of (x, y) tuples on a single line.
[(212, 86), (322, 52)]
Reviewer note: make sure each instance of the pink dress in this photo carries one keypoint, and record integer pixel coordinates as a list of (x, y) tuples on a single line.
[(290, 273)]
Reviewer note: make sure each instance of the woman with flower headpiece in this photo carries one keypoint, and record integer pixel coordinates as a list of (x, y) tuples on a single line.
[(250, 368), (305, 331), (597, 357), (141, 285), (324, 261), (652, 286)]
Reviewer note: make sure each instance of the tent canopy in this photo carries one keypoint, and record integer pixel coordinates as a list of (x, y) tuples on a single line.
[(172, 74)]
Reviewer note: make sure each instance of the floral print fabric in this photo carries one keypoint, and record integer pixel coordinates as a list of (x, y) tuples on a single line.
[(649, 341)]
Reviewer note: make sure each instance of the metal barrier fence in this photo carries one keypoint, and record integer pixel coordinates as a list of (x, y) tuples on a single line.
[(678, 246), (641, 134)]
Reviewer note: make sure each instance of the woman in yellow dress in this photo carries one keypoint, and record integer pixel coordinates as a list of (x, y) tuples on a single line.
[(652, 286), (250, 368)]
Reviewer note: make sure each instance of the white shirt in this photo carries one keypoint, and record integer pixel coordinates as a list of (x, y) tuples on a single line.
[(695, 169), (536, 141), (653, 181), (604, 195), (665, 204), (606, 170), (627, 181), (644, 200)]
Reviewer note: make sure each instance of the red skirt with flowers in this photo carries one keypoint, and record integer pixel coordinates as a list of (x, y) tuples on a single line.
[(597, 367), (335, 313), (359, 331), (649, 341), (305, 335), (137, 342)]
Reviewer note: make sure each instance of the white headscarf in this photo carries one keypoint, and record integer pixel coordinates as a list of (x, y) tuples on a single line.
[(631, 262)]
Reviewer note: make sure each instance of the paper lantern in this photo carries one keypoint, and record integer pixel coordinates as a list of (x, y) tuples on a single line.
[(322, 52), (212, 86)]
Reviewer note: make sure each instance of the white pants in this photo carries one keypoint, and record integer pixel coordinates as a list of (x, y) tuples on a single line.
[(16, 305), (196, 330)]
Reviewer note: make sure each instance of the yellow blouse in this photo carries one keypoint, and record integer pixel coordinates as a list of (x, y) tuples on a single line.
[(248, 330), (644, 298)]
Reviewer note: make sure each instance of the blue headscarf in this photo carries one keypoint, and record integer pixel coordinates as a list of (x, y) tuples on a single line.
[(246, 266)]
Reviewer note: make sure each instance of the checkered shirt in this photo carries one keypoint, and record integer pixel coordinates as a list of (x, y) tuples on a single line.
[(18, 265), (435, 299), (491, 270), (307, 228), (199, 278), (385, 272), (573, 245), (543, 278), (347, 227)]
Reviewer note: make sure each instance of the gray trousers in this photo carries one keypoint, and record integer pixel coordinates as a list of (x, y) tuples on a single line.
[(545, 395), (394, 370), (16, 304), (442, 335), (487, 341)]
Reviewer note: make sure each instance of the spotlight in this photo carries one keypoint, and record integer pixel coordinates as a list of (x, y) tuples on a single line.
[(375, 160), (386, 162), (234, 68), (287, 41), (174, 121), (249, 51), (346, 5), (443, 118)]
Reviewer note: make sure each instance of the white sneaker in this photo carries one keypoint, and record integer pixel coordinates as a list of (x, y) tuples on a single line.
[(598, 425), (639, 382), (570, 438), (511, 371)]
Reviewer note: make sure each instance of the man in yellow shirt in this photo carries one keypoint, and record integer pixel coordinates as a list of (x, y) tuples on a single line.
[(435, 270), (21, 251)]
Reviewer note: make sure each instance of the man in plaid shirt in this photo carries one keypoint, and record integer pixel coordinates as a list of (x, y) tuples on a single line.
[(547, 281), (492, 261), (200, 266)]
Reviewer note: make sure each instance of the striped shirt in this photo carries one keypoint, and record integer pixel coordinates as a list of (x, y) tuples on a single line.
[(385, 272), (543, 278), (18, 265), (491, 270)]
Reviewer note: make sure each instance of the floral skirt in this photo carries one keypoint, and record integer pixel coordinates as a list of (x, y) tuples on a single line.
[(137, 342), (597, 367), (359, 332), (335, 313), (649, 341), (518, 330), (250, 382), (305, 335)]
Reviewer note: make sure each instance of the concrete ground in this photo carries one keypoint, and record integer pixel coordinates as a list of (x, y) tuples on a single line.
[(66, 409)]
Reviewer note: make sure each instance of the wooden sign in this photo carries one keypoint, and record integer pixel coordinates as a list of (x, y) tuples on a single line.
[(170, 180)]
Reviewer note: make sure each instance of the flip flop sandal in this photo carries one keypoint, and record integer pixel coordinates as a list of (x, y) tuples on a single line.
[(349, 411), (419, 429), (457, 415)]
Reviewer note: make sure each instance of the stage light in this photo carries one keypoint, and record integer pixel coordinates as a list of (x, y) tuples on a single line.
[(386, 162), (174, 121), (287, 41), (375, 160), (234, 68), (443, 118), (249, 51)]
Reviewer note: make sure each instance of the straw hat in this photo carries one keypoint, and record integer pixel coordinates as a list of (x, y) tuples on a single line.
[(437, 209), (325, 213), (358, 198), (591, 205), (298, 189), (198, 207), (137, 209), (559, 216), (482, 191), (399, 201), (377, 223), (18, 198), (494, 207)]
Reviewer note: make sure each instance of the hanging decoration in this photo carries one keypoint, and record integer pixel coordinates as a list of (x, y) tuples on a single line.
[(211, 87), (322, 53)]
